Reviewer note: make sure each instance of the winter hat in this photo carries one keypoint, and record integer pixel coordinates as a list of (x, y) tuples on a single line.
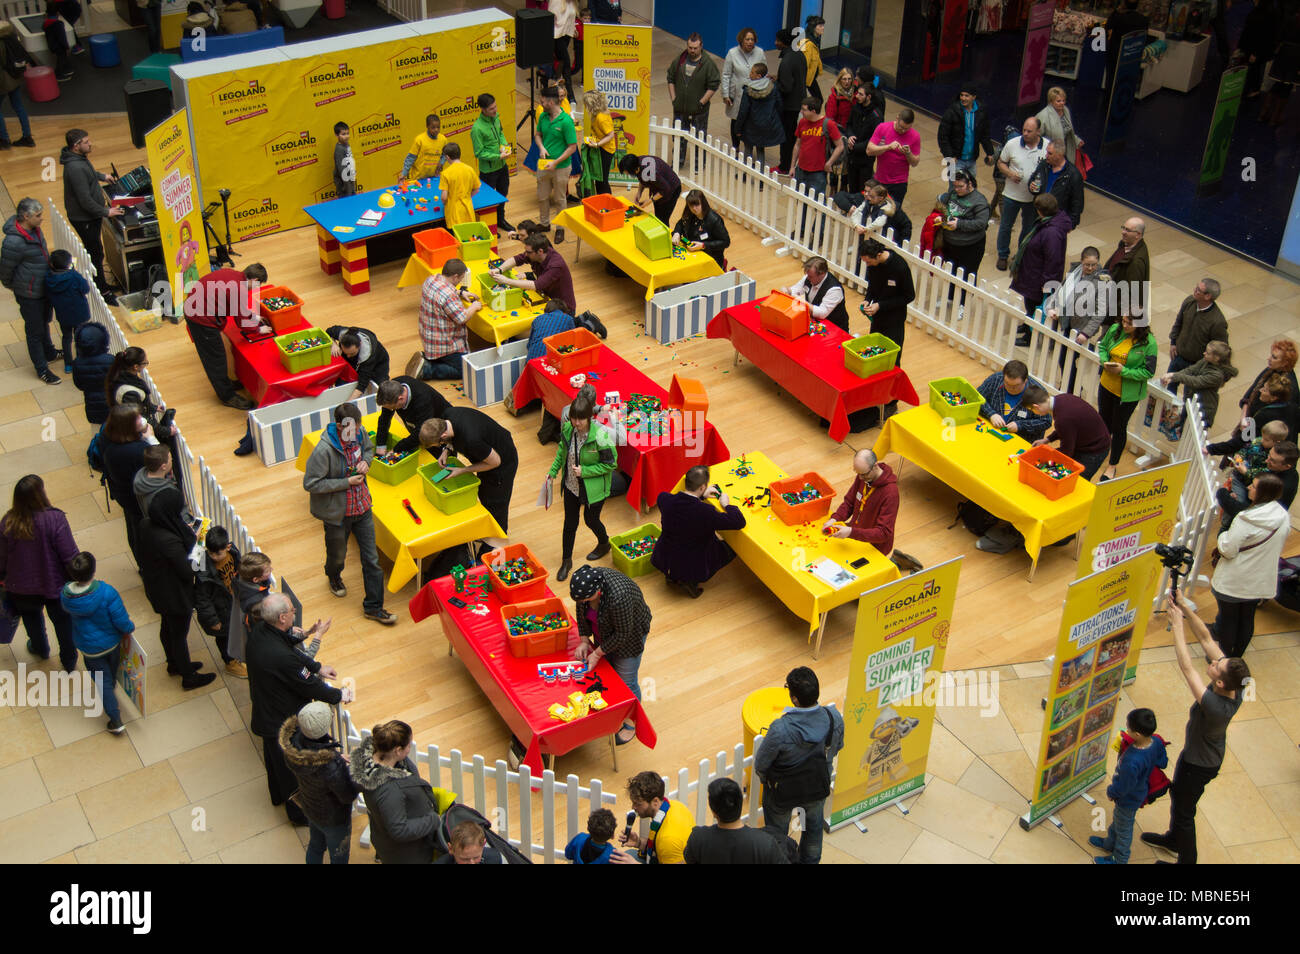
[(969, 87), (584, 584), (315, 719)]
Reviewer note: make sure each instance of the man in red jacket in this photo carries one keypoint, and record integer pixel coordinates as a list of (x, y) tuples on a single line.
[(225, 293), (870, 508)]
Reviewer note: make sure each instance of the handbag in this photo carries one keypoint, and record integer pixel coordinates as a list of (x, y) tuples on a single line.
[(1082, 163), (1216, 556)]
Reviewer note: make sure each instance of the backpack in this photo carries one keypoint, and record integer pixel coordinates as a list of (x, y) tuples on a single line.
[(974, 518), (593, 324), (807, 782), (1157, 782), (95, 458)]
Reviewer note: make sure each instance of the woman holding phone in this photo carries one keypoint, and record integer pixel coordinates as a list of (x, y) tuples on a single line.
[(1128, 360)]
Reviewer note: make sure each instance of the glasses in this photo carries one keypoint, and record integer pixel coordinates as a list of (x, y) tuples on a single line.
[(1125, 228)]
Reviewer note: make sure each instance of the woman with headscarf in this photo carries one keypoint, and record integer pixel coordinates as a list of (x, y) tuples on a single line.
[(126, 435), (165, 545), (613, 622), (36, 547)]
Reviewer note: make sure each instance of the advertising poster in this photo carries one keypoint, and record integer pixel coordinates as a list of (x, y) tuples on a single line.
[(1130, 514), (1103, 615), (1034, 60), (131, 674), (1128, 74), (180, 215), (616, 61), (1226, 107), (901, 636)]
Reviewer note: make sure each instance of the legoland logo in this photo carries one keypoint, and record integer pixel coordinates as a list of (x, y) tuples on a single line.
[(457, 115), (170, 138), (253, 88), (293, 141), (424, 56), (256, 217), (928, 590), (627, 39), (375, 133), (327, 75), (389, 121), (293, 150), (1158, 488), (267, 206), (240, 100)]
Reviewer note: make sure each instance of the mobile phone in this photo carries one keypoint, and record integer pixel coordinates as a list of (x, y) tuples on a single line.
[(859, 563), (456, 602)]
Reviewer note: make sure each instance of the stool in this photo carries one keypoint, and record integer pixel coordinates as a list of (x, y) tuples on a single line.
[(103, 51), (760, 709), (156, 67), (335, 9), (41, 84)]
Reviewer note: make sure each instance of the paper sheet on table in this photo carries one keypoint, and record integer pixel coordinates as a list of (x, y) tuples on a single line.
[(544, 496), (831, 573)]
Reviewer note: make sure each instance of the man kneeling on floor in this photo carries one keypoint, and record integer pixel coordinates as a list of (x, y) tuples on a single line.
[(869, 510), (688, 550)]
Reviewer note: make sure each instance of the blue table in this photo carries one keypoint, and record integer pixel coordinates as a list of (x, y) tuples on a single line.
[(344, 245)]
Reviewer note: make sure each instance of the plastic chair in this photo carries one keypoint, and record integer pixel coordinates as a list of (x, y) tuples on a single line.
[(104, 52)]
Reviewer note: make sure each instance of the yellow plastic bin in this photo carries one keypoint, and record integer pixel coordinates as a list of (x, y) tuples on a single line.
[(761, 708)]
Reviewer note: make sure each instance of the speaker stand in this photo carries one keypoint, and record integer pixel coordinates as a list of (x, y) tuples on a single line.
[(531, 118)]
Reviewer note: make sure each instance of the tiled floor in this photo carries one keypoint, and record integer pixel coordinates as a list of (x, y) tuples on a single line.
[(187, 784)]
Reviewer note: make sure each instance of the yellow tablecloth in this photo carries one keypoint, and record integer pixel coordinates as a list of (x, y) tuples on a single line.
[(400, 538), (977, 465), (497, 327), (779, 554), (619, 247), (761, 708)]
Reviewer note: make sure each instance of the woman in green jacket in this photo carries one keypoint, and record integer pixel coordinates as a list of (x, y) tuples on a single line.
[(584, 462), (1128, 360)]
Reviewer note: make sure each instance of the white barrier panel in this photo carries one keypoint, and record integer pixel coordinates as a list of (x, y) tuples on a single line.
[(685, 310), (278, 429), (488, 375)]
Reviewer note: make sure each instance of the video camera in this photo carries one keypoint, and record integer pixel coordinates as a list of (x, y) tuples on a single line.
[(1178, 561)]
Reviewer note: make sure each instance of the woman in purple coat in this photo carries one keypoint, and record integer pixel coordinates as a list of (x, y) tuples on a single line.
[(36, 546), (688, 550), (1039, 265)]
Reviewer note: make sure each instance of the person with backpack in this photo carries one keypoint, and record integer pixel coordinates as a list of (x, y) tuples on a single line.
[(90, 369), (100, 628), (1142, 753), (325, 786), (794, 762), (36, 549)]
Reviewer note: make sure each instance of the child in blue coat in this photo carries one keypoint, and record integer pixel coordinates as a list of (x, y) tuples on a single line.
[(99, 626), (67, 291), (593, 847), (1130, 787)]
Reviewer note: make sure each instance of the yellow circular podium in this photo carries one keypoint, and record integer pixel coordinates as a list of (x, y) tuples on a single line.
[(761, 708)]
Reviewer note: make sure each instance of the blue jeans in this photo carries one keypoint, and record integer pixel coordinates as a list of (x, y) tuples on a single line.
[(628, 668), (337, 838), (362, 527), (1119, 836), (20, 110), (104, 670), (446, 368), (815, 183), (810, 839), (1011, 210)]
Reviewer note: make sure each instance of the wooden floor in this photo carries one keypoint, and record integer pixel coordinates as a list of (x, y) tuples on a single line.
[(704, 656)]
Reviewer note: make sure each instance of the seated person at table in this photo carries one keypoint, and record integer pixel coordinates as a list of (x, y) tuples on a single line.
[(555, 319), (551, 270), (425, 158), (445, 310), (361, 349), (487, 449), (1004, 405), (869, 509), (688, 551), (823, 293), (1080, 431), (415, 402), (701, 229)]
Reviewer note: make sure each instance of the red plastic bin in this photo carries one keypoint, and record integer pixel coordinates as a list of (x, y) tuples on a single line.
[(435, 247), (283, 320), (783, 315), (519, 591), (537, 644), (605, 212), (585, 353), (1049, 487), (794, 514)]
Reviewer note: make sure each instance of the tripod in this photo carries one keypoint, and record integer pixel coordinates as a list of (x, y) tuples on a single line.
[(531, 118), (220, 253)]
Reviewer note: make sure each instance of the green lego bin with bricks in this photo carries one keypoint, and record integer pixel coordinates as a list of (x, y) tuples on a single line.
[(475, 241), (316, 356), (629, 565), (451, 494), (869, 367), (652, 238), (498, 297), (394, 474), (964, 413)]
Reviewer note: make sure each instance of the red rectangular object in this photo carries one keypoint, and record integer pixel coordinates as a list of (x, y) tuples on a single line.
[(1049, 487), (283, 320), (794, 514), (604, 211), (545, 643), (585, 353), (435, 247), (530, 589), (783, 315)]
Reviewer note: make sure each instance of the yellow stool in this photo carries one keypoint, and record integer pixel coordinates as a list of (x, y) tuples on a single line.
[(761, 708)]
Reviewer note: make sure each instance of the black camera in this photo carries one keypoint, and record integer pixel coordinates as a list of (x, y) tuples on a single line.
[(1175, 558)]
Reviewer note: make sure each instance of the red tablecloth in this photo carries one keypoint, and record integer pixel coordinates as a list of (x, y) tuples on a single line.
[(654, 464), (811, 367), (257, 364), (512, 685)]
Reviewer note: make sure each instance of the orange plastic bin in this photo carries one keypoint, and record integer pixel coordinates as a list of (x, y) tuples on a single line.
[(1052, 488), (689, 395), (585, 353), (793, 514), (282, 320), (604, 211), (783, 315), (435, 247), (528, 589), (544, 643)]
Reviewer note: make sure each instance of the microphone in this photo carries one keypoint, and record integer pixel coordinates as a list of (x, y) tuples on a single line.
[(631, 820)]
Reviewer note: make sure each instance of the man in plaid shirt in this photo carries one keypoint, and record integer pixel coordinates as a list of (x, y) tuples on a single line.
[(444, 312), (336, 479)]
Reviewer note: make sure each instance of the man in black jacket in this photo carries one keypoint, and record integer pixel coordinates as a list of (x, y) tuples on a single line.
[(414, 402), (792, 84), (83, 201), (325, 786), (360, 348), (214, 593), (281, 679), (963, 130), (889, 291), (1057, 176)]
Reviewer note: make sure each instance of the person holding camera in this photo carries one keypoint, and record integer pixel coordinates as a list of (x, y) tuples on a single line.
[(689, 551)]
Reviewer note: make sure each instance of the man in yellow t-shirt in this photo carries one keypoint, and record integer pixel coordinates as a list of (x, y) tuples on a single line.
[(671, 824), (458, 184), (424, 161)]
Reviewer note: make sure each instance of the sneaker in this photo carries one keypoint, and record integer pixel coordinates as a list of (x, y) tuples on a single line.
[(32, 649), (1158, 839), (78, 49), (337, 587), (1097, 841), (382, 616), (67, 368), (27, 141), (197, 680), (599, 552), (116, 727), (1104, 860), (239, 403), (49, 377), (1002, 264), (559, 235), (63, 79), (1022, 340), (415, 366), (237, 669)]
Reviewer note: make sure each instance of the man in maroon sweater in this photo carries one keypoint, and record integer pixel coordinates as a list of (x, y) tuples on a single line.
[(1079, 429), (870, 508), (225, 293)]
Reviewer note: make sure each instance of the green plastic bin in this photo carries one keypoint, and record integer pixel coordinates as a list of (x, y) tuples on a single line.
[(395, 474), (652, 238), (298, 361), (452, 494), (876, 364), (510, 299), (474, 240), (965, 413), (632, 566)]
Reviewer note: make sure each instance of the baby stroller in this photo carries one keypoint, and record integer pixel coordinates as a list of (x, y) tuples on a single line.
[(1288, 583), (456, 814)]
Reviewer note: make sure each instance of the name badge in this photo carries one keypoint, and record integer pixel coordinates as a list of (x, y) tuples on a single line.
[(891, 283), (703, 236)]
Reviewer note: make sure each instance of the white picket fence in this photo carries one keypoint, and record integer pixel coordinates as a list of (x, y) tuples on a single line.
[(407, 10), (218, 508)]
